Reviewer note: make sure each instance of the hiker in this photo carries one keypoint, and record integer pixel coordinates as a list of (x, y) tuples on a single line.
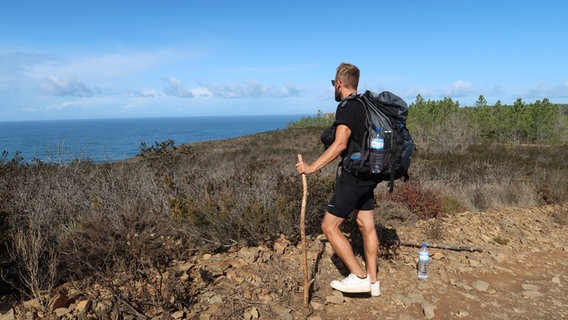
[(352, 193)]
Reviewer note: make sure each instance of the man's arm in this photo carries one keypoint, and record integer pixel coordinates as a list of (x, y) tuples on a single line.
[(342, 134)]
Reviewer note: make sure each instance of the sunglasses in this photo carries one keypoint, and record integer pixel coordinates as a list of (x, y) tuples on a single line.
[(333, 83)]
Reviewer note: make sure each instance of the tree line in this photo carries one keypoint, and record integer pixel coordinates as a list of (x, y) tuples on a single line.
[(541, 122)]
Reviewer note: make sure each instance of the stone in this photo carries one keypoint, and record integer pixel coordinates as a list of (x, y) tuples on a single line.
[(334, 300), (281, 312), (532, 294), (556, 280), (462, 314), (60, 312), (481, 286), (280, 248), (530, 287), (402, 300), (178, 314), (438, 256), (251, 313), (249, 254), (9, 315), (186, 266), (83, 306), (416, 297), (58, 301), (32, 305), (317, 306), (428, 309)]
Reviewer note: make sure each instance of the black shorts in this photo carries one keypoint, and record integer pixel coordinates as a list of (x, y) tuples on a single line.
[(348, 197)]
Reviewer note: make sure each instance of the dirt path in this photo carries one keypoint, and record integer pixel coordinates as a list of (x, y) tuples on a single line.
[(526, 278), (522, 273)]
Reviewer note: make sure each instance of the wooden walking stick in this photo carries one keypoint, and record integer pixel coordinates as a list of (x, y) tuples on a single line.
[(307, 282)]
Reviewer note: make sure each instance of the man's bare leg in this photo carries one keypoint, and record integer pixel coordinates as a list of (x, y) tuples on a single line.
[(366, 222), (340, 244)]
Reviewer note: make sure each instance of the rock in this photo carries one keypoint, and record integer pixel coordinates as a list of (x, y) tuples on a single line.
[(462, 314), (249, 254), (428, 309), (317, 306), (532, 294), (103, 307), (186, 266), (83, 306), (438, 256), (281, 312), (481, 286), (60, 312), (402, 300), (58, 301), (556, 280), (251, 313), (279, 247), (32, 305), (530, 287), (328, 249), (178, 314), (334, 300), (416, 297), (281, 244), (9, 315), (474, 263)]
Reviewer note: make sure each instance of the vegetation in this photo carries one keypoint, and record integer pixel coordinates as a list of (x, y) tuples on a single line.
[(91, 221), (318, 121)]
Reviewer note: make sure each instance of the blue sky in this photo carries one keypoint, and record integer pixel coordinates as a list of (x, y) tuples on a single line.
[(124, 59)]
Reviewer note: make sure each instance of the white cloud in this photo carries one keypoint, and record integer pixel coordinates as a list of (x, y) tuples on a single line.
[(108, 65), (253, 89), (459, 88), (543, 90), (411, 93), (202, 92), (175, 87), (66, 86)]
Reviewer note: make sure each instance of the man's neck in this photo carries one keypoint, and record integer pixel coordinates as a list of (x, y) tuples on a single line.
[(348, 93)]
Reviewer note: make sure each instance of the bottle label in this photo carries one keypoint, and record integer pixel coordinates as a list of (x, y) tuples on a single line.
[(377, 144)]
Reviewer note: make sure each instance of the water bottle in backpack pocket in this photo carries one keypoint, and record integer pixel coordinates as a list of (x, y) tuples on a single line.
[(378, 156)]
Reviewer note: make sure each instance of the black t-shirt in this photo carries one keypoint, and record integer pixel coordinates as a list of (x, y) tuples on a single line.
[(351, 112)]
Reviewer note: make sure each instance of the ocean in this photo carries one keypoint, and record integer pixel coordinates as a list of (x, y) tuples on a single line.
[(108, 140)]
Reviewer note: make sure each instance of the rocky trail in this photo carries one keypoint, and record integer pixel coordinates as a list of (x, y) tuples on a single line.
[(521, 273)]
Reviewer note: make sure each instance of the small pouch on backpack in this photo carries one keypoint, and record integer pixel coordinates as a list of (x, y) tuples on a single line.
[(328, 136)]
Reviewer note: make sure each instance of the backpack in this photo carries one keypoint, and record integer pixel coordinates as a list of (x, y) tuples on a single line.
[(389, 112)]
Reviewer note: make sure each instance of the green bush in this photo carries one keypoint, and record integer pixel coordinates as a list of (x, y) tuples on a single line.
[(320, 121)]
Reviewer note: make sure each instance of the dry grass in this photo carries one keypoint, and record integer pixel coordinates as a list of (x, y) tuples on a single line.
[(92, 221)]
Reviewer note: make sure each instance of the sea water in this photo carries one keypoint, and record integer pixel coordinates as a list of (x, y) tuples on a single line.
[(107, 140)]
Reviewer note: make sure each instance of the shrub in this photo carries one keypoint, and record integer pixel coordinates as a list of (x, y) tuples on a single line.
[(425, 204), (320, 120)]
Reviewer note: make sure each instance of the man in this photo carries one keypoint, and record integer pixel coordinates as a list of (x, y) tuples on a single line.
[(352, 193)]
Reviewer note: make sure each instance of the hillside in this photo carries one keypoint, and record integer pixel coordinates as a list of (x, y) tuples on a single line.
[(521, 274), (210, 231)]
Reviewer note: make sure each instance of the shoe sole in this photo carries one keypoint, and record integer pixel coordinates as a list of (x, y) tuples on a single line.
[(355, 290)]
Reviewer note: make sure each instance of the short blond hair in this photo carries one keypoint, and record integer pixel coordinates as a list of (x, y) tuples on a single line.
[(349, 75)]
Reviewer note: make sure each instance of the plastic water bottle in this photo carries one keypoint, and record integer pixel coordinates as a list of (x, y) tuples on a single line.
[(423, 261), (377, 156)]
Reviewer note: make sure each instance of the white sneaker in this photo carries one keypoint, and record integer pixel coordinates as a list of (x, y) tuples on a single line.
[(376, 289), (352, 284)]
